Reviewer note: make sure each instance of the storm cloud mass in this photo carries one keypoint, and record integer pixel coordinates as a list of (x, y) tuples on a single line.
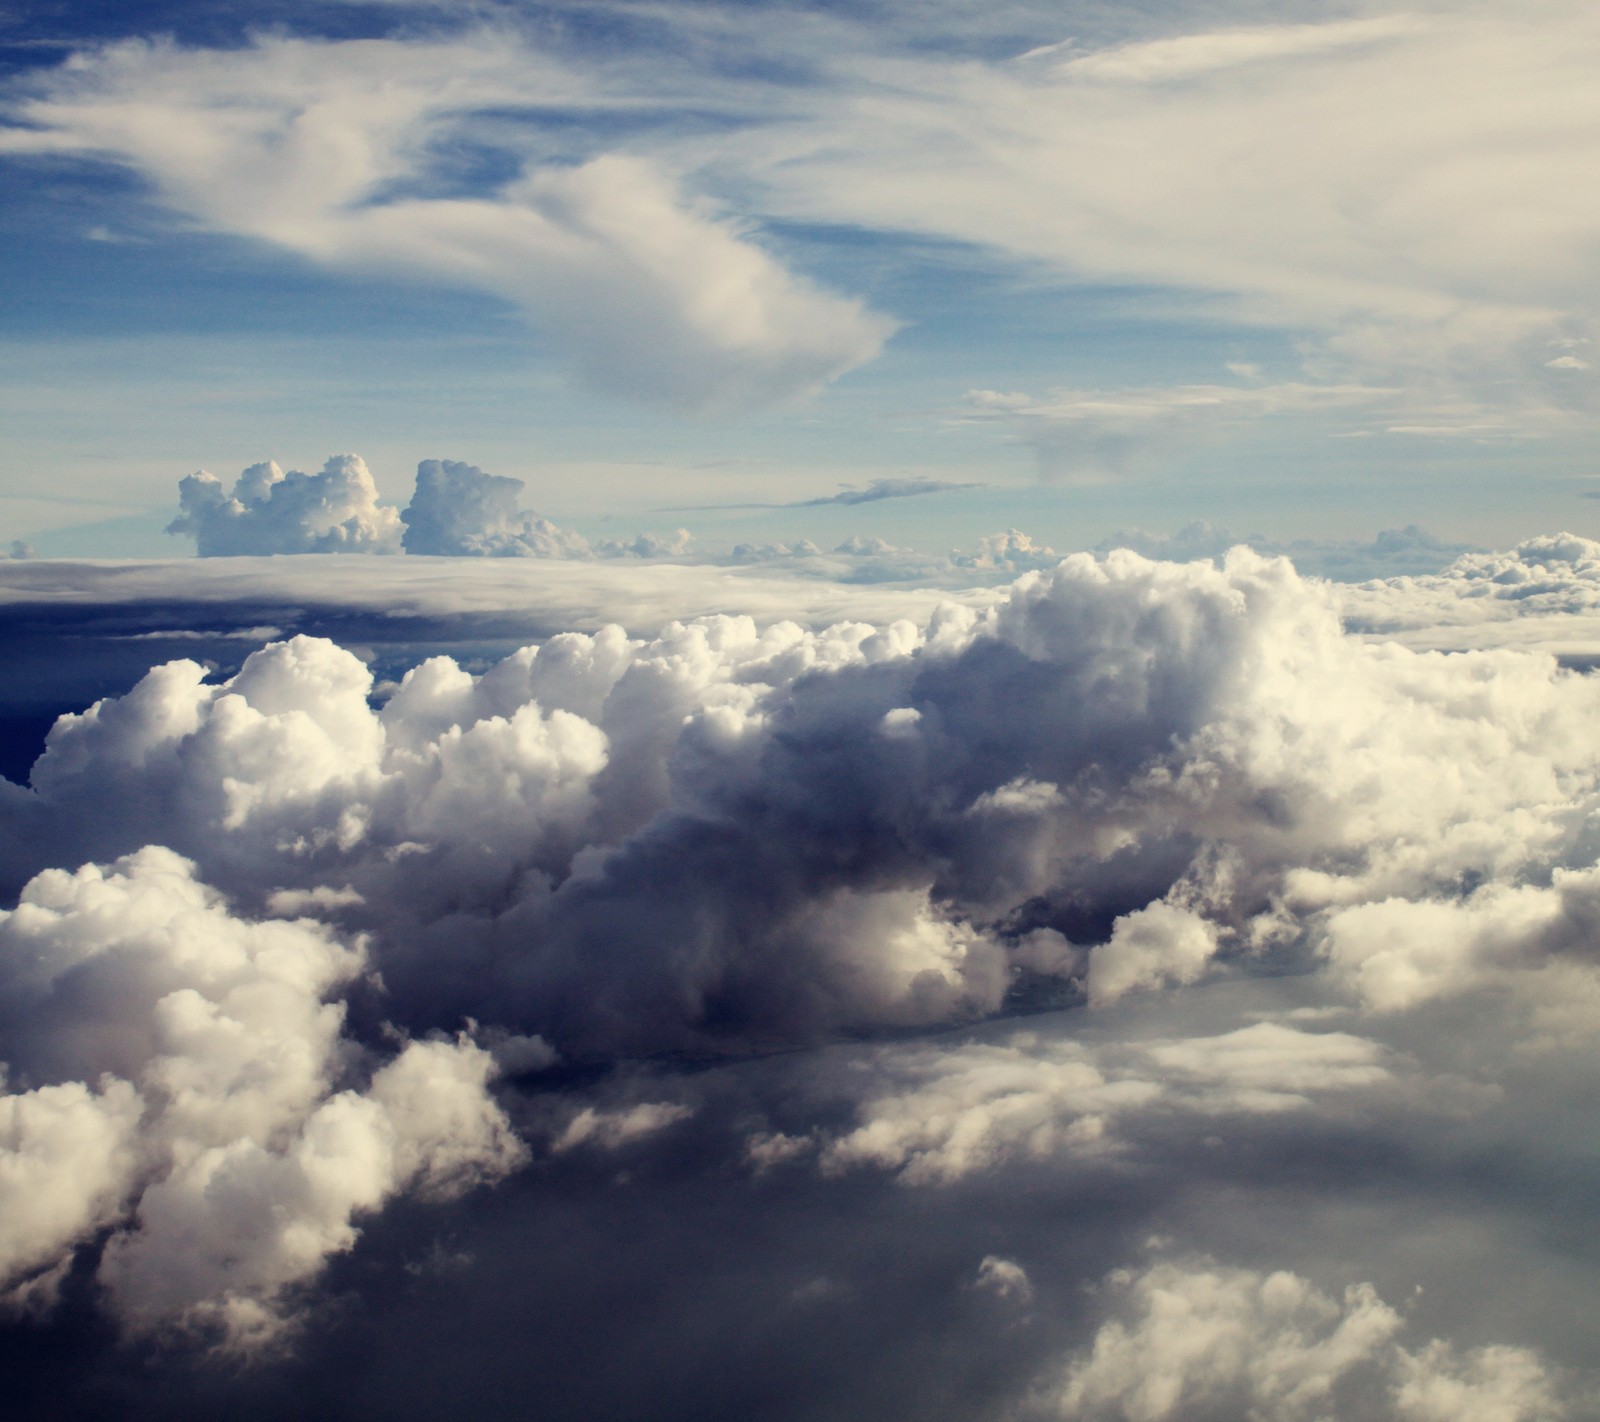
[(1076, 978)]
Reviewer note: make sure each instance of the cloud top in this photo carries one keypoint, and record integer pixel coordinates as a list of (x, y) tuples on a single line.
[(459, 510), (269, 511)]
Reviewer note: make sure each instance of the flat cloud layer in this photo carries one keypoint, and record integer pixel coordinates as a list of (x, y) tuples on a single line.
[(1136, 917)]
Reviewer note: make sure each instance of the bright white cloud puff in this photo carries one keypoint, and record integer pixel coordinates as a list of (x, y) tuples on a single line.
[(336, 511), (177, 1076)]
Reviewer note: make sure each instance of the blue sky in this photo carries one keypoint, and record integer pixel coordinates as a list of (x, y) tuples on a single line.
[(1303, 271)]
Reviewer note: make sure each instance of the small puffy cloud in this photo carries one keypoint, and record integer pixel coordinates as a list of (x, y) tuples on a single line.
[(613, 1129), (1012, 551), (459, 510), (1158, 944), (1398, 953), (336, 511), (1004, 1278), (676, 544), (1202, 1342)]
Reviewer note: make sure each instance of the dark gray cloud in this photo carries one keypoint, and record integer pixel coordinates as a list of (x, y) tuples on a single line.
[(884, 489)]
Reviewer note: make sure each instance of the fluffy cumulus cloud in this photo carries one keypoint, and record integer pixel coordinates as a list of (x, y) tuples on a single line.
[(330, 150), (1544, 592), (1119, 775), (1248, 868), (179, 1091), (1206, 1342), (459, 509), (336, 511)]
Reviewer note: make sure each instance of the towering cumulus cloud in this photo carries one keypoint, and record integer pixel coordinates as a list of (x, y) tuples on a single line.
[(458, 509), (336, 511), (1121, 772), (303, 918)]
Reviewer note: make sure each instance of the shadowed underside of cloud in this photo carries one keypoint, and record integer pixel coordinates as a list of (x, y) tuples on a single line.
[(278, 933)]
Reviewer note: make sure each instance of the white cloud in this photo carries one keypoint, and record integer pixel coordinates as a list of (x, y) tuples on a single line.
[(1158, 944), (1191, 56), (1150, 768), (458, 509), (935, 1116), (1129, 784), (1204, 1341), (328, 149), (336, 511), (214, 1138), (1406, 187)]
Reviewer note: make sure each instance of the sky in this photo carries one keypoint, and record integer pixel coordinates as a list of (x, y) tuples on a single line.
[(772, 713), (1298, 271)]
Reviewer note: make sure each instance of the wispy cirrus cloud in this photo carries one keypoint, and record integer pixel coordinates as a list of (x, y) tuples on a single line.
[(336, 151), (872, 493), (1403, 194)]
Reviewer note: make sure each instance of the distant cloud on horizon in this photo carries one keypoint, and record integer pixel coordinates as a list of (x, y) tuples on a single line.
[(878, 489)]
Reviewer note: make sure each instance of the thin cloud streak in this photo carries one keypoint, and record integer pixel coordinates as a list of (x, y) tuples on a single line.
[(877, 490)]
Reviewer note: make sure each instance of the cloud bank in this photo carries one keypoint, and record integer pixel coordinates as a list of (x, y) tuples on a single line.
[(1103, 759), (1145, 895)]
